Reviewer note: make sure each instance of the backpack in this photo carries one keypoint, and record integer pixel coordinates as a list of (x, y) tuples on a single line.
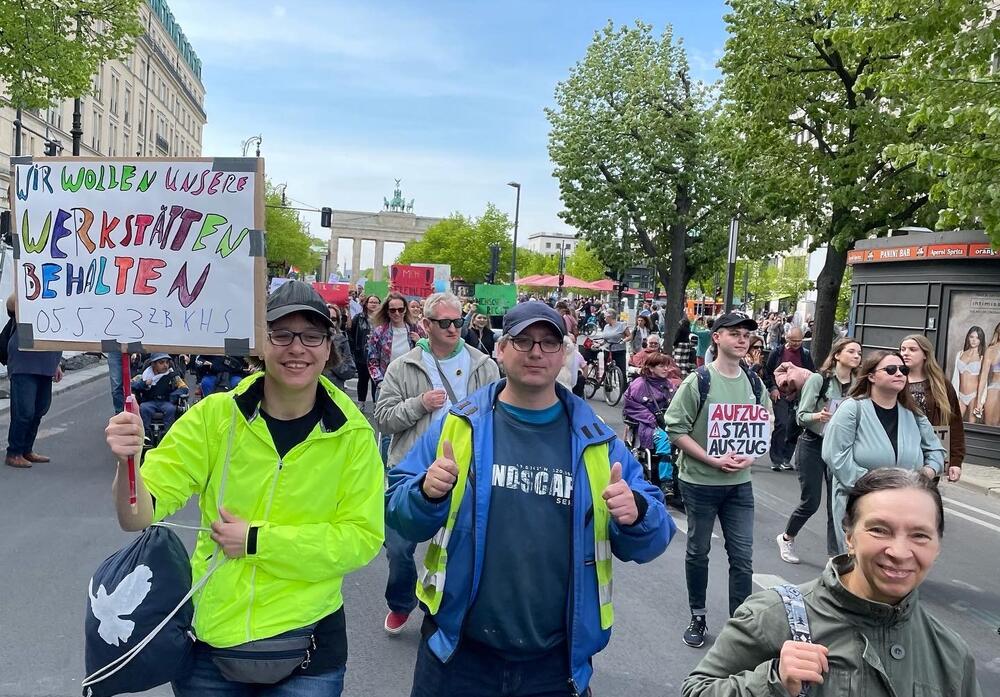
[(5, 334), (705, 384), (822, 391), (134, 591), (798, 620)]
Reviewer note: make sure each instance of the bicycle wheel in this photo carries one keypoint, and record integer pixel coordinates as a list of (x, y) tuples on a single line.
[(614, 383), (591, 383)]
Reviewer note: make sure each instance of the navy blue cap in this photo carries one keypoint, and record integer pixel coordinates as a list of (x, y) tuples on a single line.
[(523, 315), (296, 296)]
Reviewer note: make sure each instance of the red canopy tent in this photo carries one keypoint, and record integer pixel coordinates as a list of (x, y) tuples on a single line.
[(553, 282), (607, 285)]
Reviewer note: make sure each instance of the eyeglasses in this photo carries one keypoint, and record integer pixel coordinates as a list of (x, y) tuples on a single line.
[(310, 337), (524, 344), (445, 323), (397, 310), (891, 369)]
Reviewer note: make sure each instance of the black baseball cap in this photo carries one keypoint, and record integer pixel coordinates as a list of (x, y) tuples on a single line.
[(734, 319), (523, 315), (296, 296)]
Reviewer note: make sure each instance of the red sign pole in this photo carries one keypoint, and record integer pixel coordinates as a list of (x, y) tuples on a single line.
[(131, 407)]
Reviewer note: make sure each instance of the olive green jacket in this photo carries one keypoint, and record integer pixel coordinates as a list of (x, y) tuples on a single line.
[(876, 650)]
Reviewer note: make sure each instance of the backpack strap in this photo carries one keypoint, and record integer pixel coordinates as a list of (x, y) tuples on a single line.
[(798, 620), (822, 391)]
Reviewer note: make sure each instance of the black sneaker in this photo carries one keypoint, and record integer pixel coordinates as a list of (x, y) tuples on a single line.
[(694, 635), (787, 467), (777, 466)]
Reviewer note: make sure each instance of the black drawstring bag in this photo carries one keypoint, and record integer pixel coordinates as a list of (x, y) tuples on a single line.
[(133, 592)]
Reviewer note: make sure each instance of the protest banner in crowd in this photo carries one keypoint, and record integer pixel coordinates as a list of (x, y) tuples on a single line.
[(411, 281), (495, 300), (738, 429), (157, 254)]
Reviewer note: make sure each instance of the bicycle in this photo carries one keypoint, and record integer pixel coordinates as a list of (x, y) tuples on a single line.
[(602, 372)]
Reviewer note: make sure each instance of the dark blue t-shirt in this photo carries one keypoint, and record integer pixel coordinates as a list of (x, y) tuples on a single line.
[(520, 606)]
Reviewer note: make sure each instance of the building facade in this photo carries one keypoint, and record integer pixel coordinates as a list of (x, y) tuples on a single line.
[(149, 104), (552, 242)]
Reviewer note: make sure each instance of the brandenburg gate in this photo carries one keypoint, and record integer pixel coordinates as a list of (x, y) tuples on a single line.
[(396, 222)]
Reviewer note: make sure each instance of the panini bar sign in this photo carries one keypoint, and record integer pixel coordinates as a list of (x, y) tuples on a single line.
[(922, 252)]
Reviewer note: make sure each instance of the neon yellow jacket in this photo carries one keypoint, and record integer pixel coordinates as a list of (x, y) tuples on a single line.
[(319, 510)]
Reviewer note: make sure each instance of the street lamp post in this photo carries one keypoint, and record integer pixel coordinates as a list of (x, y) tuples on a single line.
[(517, 214), (252, 139)]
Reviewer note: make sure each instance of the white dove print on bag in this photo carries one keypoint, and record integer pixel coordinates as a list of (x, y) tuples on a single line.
[(109, 609)]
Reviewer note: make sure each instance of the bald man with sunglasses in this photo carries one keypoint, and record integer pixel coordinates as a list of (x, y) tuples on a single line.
[(419, 387)]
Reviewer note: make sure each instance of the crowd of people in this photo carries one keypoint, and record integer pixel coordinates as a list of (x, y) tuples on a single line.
[(479, 445)]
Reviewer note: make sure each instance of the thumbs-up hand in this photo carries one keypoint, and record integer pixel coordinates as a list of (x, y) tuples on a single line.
[(618, 496), (442, 474), (230, 533)]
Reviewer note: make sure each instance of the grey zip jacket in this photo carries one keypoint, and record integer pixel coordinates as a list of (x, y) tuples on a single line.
[(876, 650)]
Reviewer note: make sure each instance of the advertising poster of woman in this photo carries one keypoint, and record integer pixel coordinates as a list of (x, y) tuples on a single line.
[(973, 355)]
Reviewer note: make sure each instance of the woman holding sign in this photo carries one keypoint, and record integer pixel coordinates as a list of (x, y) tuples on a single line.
[(821, 394), (935, 397), (861, 614), (289, 484), (878, 426)]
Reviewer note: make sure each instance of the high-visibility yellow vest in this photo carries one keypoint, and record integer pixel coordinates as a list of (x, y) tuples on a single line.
[(430, 584)]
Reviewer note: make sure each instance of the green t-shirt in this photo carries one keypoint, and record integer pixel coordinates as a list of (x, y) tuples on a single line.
[(681, 420)]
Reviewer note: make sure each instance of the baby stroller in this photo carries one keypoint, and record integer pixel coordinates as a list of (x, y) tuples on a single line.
[(655, 465)]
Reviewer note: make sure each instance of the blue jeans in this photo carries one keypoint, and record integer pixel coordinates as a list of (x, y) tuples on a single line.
[(147, 410), (30, 399), (474, 671), (205, 680), (208, 383), (400, 589), (115, 377), (733, 505)]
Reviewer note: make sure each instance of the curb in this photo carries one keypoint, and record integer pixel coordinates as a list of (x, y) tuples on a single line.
[(59, 388), (978, 487)]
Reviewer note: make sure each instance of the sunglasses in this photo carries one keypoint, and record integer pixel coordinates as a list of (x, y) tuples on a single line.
[(445, 323), (891, 369), (397, 310)]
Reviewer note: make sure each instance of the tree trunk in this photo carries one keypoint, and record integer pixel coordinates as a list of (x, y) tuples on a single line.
[(676, 282), (827, 291)]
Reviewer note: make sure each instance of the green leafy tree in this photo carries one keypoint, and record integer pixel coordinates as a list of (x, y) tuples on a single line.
[(629, 139), (793, 278), (955, 87), (812, 103), (464, 243), (50, 49), (585, 264), (844, 299), (288, 240)]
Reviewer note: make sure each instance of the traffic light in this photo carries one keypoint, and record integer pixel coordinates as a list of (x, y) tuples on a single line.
[(326, 217), (494, 263)]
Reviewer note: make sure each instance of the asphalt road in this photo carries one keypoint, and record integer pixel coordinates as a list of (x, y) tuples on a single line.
[(57, 524)]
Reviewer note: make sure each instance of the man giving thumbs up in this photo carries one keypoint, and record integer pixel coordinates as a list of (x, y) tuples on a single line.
[(516, 491)]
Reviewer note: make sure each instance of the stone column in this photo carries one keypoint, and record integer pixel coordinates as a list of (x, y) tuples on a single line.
[(379, 253), (356, 261)]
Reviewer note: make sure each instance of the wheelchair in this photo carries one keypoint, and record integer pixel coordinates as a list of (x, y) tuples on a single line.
[(157, 425), (650, 463)]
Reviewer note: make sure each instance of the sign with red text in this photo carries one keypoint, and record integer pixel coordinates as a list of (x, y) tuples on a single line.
[(163, 254), (738, 429), (411, 281)]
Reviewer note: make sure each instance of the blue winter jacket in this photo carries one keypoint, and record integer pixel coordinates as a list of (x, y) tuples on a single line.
[(416, 518)]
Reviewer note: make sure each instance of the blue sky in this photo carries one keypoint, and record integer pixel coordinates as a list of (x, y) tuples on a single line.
[(447, 96)]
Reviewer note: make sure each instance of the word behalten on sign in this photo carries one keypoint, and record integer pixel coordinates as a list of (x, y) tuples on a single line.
[(167, 254)]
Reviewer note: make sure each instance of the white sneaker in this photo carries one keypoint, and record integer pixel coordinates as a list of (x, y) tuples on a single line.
[(787, 550)]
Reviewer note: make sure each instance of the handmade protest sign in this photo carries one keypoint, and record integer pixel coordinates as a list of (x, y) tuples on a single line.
[(411, 281), (159, 254), (377, 288), (333, 293), (738, 429), (495, 300)]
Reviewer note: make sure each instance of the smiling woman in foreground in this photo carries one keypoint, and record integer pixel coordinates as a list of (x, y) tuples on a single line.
[(871, 635)]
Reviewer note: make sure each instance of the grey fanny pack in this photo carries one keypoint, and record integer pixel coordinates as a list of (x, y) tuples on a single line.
[(267, 661)]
